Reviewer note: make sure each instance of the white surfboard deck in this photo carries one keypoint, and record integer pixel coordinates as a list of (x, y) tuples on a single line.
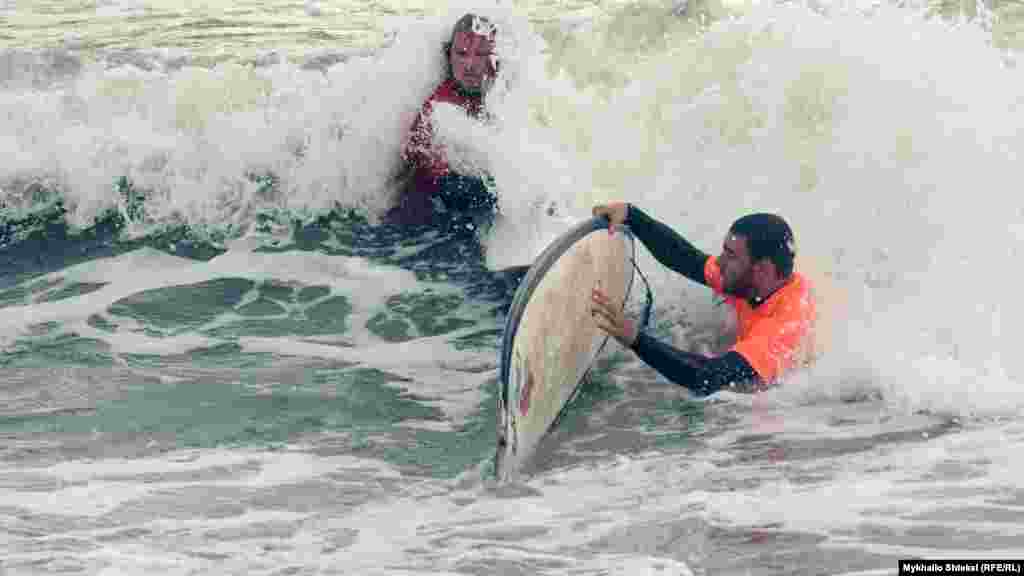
[(550, 340)]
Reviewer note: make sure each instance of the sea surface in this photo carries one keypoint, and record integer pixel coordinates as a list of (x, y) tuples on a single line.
[(214, 358)]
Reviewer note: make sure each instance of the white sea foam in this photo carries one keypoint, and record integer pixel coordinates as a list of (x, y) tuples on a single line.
[(888, 139)]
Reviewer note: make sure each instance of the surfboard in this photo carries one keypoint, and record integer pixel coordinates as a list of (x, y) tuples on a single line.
[(550, 340)]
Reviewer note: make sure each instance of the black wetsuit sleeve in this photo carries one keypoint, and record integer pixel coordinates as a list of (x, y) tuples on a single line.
[(669, 248), (701, 375)]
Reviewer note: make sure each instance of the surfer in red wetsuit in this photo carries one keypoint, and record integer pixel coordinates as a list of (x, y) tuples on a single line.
[(471, 68)]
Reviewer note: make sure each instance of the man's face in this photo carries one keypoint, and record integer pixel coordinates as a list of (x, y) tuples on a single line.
[(737, 269), (471, 60)]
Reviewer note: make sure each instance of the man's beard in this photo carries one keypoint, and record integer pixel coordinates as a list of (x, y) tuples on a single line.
[(742, 288)]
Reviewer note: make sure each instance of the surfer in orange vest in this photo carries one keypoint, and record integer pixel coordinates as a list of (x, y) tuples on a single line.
[(471, 67), (773, 303)]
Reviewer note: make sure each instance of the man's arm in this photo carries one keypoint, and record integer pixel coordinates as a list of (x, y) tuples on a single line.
[(669, 248), (701, 375)]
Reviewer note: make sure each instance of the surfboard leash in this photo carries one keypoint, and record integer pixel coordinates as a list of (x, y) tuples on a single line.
[(648, 295), (648, 300)]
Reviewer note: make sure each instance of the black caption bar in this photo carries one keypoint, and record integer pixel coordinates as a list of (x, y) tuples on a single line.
[(908, 567)]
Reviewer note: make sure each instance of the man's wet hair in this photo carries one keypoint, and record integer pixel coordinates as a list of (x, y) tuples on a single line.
[(768, 236), (468, 23)]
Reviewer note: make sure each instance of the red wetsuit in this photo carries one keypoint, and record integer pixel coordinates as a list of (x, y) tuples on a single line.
[(428, 162)]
